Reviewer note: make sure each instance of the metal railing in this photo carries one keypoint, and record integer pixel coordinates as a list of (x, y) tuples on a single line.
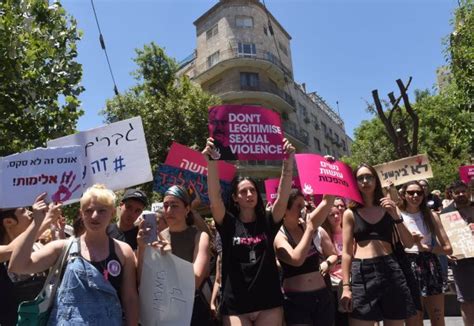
[(291, 129)]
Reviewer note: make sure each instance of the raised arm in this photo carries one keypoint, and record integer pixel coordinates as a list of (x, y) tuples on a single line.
[(284, 189), (320, 213), (213, 185), (405, 235), (22, 260), (293, 256)]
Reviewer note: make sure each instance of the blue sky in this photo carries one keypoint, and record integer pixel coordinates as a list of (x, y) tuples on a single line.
[(343, 49)]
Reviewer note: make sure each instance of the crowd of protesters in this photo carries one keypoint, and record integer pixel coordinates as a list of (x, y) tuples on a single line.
[(294, 262)]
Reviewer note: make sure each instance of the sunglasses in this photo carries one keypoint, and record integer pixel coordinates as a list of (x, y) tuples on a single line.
[(413, 192), (365, 177)]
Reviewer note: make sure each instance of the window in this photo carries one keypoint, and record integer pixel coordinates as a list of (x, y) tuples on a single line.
[(317, 145), (212, 59), (265, 30), (323, 125), (283, 48), (326, 148), (273, 85), (344, 145), (337, 137), (244, 22), (249, 80), (211, 32), (303, 111), (247, 49), (271, 57)]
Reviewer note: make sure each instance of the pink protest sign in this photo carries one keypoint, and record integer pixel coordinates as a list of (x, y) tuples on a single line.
[(466, 173), (246, 132), (271, 188), (186, 158), (318, 176)]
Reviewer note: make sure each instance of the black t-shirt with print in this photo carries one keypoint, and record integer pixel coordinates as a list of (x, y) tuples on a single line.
[(249, 284)]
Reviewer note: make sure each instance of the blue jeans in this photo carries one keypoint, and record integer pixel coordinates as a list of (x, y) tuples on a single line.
[(84, 296)]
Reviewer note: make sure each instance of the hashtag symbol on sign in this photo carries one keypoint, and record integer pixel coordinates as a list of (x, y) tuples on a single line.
[(118, 163)]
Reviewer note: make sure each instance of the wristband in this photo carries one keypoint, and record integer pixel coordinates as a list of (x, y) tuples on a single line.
[(346, 284), (328, 262), (400, 220)]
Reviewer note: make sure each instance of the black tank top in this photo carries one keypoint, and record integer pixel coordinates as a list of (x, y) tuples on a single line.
[(310, 264), (382, 230), (110, 267)]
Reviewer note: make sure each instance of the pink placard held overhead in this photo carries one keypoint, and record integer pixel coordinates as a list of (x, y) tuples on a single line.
[(466, 173), (180, 156), (318, 176), (246, 133), (271, 188)]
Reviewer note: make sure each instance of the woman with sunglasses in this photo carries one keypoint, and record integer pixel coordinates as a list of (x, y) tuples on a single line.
[(430, 241), (374, 286)]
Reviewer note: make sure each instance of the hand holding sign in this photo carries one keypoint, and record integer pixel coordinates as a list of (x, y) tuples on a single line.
[(39, 208), (210, 151)]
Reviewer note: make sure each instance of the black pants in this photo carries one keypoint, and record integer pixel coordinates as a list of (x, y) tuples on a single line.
[(309, 308)]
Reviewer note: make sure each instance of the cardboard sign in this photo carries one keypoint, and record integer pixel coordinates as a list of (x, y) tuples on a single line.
[(115, 155), (167, 176), (271, 188), (318, 176), (466, 173), (459, 234), (26, 175), (186, 158), (246, 133), (166, 289), (407, 169)]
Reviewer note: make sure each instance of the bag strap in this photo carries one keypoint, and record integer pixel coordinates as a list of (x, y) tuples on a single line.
[(56, 270)]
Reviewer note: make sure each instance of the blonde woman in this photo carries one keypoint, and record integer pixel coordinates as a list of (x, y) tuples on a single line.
[(99, 281)]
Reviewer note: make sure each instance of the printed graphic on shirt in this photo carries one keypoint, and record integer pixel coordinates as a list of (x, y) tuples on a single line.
[(114, 268), (249, 240)]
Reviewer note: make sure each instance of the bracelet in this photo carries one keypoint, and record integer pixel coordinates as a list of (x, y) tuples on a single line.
[(400, 220), (328, 262), (346, 284)]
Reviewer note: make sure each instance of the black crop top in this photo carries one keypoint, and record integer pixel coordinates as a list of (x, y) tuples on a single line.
[(310, 264), (382, 230)]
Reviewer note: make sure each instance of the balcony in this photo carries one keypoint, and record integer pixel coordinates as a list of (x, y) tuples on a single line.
[(291, 130), (231, 90), (231, 58)]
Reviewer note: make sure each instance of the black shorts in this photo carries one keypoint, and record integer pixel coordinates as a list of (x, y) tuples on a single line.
[(309, 308), (379, 290)]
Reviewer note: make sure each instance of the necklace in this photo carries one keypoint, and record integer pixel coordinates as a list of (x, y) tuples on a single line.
[(252, 253)]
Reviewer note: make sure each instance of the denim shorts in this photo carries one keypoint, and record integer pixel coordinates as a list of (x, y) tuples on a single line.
[(379, 290), (309, 308)]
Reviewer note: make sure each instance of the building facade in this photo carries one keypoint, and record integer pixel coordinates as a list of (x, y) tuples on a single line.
[(243, 56)]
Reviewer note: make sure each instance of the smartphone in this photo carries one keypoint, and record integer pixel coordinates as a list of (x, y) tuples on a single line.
[(151, 223), (392, 192)]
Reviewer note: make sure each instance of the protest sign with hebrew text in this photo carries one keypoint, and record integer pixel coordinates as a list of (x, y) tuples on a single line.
[(406, 169), (466, 173), (56, 170), (459, 234), (115, 155), (166, 289)]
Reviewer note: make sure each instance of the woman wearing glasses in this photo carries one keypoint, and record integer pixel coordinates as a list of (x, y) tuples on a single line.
[(374, 286), (430, 240)]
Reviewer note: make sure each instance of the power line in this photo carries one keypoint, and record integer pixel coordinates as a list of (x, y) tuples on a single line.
[(102, 45)]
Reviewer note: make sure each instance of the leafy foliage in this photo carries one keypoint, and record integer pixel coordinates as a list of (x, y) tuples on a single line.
[(172, 108), (39, 77), (446, 120)]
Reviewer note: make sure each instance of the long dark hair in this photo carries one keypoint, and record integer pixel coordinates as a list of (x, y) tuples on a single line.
[(233, 207), (378, 193), (294, 194), (427, 215)]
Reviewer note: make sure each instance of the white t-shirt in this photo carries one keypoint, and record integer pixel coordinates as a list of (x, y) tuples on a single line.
[(414, 222)]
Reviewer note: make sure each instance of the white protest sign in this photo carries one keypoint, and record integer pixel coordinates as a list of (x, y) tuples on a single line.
[(115, 155), (166, 289), (57, 171), (406, 169), (459, 234)]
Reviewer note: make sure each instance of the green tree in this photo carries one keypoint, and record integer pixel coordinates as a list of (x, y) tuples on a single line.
[(445, 119), (172, 108), (39, 77)]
